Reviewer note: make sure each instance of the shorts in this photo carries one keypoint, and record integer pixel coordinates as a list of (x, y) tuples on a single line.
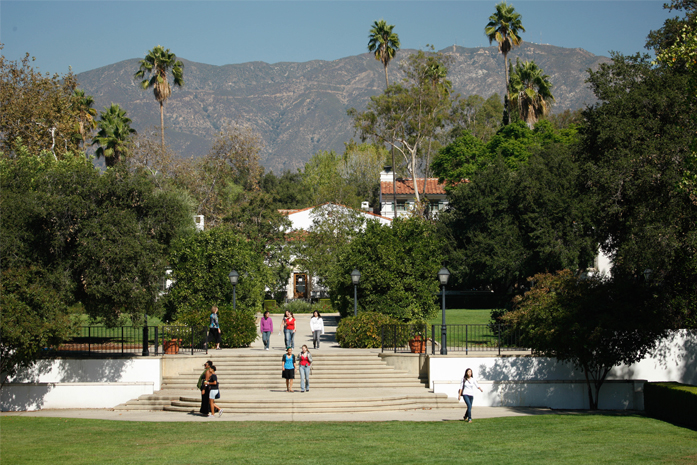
[(288, 374), (213, 393)]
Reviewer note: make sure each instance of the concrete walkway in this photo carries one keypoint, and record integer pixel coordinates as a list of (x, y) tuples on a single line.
[(406, 415)]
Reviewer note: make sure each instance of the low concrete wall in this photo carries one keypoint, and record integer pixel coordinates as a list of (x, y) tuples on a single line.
[(37, 396), (416, 364), (172, 365), (674, 359), (559, 394), (81, 383)]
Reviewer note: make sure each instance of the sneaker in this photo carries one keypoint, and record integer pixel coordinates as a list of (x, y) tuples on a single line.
[(220, 412), (267, 348), (211, 415)]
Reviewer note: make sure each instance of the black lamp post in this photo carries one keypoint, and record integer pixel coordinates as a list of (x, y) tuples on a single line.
[(356, 278), (234, 277), (443, 276)]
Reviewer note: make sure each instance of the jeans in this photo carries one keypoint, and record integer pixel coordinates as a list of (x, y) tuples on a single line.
[(304, 378), (266, 338), (290, 338), (468, 401), (315, 338)]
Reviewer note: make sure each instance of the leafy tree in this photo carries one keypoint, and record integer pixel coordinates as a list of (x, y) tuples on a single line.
[(407, 114), (635, 154), (103, 238), (479, 117), (508, 224), (39, 109), (504, 27), (86, 122), (532, 92), (157, 65), (114, 135), (34, 317), (200, 267), (398, 265), (515, 143), (383, 43), (287, 190), (594, 324), (322, 181)]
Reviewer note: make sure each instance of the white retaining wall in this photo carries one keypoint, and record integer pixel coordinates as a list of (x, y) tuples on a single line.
[(526, 381), (68, 383)]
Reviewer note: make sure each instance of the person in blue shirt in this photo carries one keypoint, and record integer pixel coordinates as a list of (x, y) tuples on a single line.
[(214, 331), (289, 369)]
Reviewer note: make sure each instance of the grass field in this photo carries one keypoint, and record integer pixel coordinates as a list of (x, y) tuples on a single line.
[(570, 438), (463, 317)]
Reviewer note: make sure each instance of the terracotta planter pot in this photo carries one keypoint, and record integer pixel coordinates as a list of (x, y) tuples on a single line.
[(417, 345), (171, 347)]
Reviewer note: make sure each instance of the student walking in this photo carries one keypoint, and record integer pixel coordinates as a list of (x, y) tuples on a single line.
[(266, 328), (467, 387), (317, 328), (205, 405), (305, 369), (289, 329), (289, 369), (214, 331), (214, 392)]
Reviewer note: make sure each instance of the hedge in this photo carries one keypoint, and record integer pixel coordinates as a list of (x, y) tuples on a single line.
[(673, 402)]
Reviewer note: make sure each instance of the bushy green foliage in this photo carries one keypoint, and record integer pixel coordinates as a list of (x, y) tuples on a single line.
[(515, 143), (200, 267), (673, 402), (237, 327), (297, 306), (105, 234), (398, 264), (34, 317), (362, 331)]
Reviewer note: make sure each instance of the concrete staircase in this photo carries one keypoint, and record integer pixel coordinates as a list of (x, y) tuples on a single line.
[(351, 381)]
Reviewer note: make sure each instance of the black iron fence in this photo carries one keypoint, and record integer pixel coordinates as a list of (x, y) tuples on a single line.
[(95, 340), (458, 338)]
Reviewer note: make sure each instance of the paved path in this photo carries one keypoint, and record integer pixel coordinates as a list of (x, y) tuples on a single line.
[(405, 415)]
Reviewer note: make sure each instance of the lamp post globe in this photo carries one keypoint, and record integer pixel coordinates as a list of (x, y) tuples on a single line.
[(355, 278), (443, 276), (234, 277)]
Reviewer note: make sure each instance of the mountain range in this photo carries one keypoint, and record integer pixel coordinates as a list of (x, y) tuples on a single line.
[(300, 108)]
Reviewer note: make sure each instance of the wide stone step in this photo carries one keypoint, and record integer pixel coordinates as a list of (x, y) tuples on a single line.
[(314, 384), (350, 374)]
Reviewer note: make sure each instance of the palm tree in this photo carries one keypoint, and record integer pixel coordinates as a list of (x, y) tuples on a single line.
[(113, 135), (530, 91), (156, 65), (384, 43), (503, 27), (86, 121)]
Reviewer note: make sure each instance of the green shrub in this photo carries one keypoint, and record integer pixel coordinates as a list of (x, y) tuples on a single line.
[(238, 327), (322, 306), (673, 402), (297, 306), (272, 306), (362, 331)]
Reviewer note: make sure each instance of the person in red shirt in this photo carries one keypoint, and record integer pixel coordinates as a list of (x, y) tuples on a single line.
[(289, 329)]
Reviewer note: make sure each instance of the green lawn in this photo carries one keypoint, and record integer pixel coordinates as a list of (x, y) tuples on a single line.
[(573, 438), (463, 317)]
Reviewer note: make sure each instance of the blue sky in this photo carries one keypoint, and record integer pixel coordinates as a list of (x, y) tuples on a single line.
[(90, 34)]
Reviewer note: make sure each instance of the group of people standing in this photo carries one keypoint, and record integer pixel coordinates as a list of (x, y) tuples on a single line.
[(291, 363), (288, 328), (210, 390)]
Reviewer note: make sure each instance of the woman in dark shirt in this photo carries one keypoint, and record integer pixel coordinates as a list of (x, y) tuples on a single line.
[(214, 389)]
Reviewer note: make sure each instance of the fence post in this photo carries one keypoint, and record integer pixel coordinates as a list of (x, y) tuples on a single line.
[(382, 338), (192, 340), (466, 339), (394, 341), (89, 341), (433, 339), (157, 341), (499, 325), (122, 340)]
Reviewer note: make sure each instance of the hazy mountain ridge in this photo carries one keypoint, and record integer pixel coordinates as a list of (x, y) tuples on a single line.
[(300, 108)]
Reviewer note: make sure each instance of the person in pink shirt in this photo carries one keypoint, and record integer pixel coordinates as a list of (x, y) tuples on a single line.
[(266, 328)]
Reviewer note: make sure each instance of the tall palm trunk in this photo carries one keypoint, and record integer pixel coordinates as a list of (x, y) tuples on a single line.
[(387, 84), (162, 124), (508, 91)]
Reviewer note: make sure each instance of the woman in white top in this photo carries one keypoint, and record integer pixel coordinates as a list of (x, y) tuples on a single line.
[(317, 327), (467, 387)]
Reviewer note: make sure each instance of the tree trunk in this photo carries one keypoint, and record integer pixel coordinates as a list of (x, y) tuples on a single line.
[(162, 124), (387, 84), (507, 102)]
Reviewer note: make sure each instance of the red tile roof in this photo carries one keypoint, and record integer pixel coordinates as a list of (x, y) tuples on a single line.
[(406, 186)]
